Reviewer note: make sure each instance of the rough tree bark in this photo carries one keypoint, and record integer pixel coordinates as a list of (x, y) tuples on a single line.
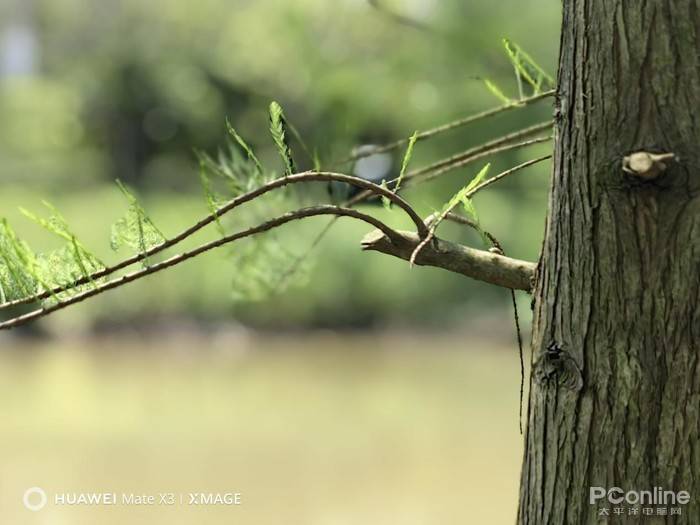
[(618, 282)]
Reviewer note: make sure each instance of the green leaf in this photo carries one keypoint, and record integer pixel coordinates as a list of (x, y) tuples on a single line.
[(211, 198), (278, 129), (261, 269), (80, 261), (317, 161), (25, 273), (470, 211), (57, 225), (385, 200), (406, 159), (478, 179), (135, 229), (15, 273), (242, 143), (226, 171), (496, 91), (464, 192), (526, 68)]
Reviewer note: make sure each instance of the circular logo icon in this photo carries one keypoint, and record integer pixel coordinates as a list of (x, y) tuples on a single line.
[(34, 499)]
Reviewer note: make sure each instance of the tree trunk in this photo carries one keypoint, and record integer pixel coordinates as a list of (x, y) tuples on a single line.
[(615, 389)]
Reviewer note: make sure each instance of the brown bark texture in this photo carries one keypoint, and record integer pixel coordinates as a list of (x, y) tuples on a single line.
[(615, 386)]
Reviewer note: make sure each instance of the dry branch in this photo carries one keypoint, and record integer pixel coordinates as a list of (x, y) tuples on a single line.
[(477, 264)]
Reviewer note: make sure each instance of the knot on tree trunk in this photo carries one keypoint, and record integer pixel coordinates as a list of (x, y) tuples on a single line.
[(646, 165), (556, 368)]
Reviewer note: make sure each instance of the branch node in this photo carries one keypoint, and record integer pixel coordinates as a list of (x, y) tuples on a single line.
[(646, 165)]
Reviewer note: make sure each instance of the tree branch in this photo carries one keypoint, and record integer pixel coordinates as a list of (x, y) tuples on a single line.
[(386, 232), (435, 222), (464, 121), (466, 157), (370, 187), (477, 264)]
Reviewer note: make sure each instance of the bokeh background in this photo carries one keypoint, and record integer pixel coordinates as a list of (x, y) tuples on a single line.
[(356, 391)]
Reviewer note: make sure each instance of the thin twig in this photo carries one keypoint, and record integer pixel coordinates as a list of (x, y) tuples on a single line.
[(234, 203), (454, 160), (423, 135), (468, 195), (522, 358), (497, 247), (468, 156), (489, 153), (177, 259)]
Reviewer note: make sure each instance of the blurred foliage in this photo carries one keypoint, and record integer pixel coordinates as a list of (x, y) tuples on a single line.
[(128, 89)]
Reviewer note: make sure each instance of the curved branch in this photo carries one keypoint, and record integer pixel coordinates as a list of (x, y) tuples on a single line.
[(369, 187), (461, 163), (484, 266), (389, 234)]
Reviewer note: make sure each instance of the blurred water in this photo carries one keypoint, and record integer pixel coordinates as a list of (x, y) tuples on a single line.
[(315, 429)]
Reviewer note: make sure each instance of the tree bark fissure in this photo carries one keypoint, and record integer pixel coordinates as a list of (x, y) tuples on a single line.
[(618, 282)]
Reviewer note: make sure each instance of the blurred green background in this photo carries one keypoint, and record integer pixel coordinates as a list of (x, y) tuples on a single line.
[(364, 391)]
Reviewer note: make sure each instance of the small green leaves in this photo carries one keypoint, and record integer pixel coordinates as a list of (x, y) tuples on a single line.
[(16, 277), (24, 273), (316, 160), (468, 203), (238, 172), (211, 197), (278, 129), (404, 166), (464, 192), (406, 159), (385, 200), (262, 269), (135, 229), (57, 225), (527, 69), (242, 143), (470, 211), (496, 91), (67, 264), (478, 179), (463, 196)]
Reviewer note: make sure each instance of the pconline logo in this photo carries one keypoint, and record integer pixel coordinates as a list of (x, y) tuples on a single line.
[(656, 496)]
